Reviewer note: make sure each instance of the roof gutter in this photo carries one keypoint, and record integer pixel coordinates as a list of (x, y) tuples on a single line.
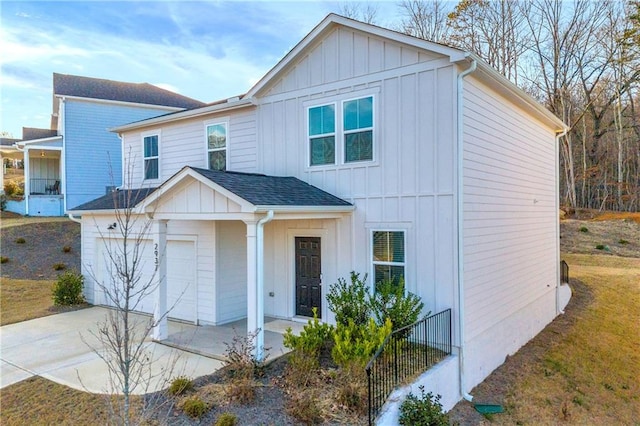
[(557, 212), (460, 227), (260, 282)]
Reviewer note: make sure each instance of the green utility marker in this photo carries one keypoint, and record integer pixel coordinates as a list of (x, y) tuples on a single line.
[(488, 408)]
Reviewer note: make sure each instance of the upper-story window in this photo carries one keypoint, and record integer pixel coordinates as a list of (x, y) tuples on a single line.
[(388, 256), (151, 157), (358, 129), (350, 121), (322, 135), (217, 146)]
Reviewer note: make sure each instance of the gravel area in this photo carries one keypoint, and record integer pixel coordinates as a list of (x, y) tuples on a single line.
[(42, 248)]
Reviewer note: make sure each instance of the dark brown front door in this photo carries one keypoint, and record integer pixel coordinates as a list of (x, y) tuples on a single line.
[(308, 271)]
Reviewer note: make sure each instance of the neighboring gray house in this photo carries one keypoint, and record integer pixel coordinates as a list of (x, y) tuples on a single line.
[(78, 159), (363, 149)]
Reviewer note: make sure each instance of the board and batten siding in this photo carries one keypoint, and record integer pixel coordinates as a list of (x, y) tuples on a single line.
[(184, 144), (93, 155), (410, 184), (510, 254)]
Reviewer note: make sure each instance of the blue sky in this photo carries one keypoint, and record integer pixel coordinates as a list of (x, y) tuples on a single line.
[(204, 50)]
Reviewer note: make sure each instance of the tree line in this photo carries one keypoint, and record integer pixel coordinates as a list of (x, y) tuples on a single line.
[(579, 58)]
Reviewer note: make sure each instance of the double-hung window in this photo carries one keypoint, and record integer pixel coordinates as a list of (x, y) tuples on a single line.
[(217, 146), (358, 129), (349, 121), (322, 135), (388, 256), (151, 157)]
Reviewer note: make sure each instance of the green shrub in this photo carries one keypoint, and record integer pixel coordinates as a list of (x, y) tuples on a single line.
[(302, 369), (623, 242), (390, 302), (312, 338), (66, 249), (4, 259), (350, 301), (13, 189), (180, 385), (194, 407), (59, 266), (584, 229), (357, 344), (68, 289), (20, 240), (227, 419), (425, 410)]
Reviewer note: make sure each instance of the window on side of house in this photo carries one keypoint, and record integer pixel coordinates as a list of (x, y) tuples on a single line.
[(322, 135), (388, 255), (358, 129), (151, 157), (217, 146)]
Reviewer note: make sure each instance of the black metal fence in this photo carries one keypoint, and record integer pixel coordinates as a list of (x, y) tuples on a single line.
[(44, 186), (405, 354), (564, 272)]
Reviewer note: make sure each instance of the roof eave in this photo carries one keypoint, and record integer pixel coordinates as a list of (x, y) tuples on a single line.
[(304, 209)]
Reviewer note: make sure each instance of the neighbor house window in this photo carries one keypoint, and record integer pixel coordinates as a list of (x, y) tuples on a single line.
[(358, 129), (388, 255), (151, 158), (322, 135), (217, 146)]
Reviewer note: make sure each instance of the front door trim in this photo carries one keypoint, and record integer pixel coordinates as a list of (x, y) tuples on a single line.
[(291, 270)]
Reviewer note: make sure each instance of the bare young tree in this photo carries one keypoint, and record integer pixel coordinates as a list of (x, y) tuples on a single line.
[(361, 11), (426, 19)]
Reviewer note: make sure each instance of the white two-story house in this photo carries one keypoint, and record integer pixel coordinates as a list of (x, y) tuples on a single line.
[(362, 150)]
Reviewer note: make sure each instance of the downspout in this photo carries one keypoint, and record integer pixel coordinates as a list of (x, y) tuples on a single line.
[(74, 219), (460, 189), (557, 212), (260, 282)]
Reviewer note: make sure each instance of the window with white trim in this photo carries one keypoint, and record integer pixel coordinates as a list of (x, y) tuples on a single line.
[(388, 255), (358, 129), (217, 146), (151, 156), (322, 135)]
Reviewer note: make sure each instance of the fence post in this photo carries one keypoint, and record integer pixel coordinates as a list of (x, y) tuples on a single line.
[(369, 395)]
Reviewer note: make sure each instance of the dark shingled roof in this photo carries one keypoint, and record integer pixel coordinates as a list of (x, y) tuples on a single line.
[(117, 199), (31, 133), (141, 93), (263, 190)]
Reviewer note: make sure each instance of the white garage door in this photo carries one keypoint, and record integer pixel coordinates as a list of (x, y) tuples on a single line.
[(181, 280), (181, 274)]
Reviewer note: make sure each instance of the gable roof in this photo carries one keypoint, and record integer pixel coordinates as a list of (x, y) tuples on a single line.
[(264, 190), (140, 93), (30, 133), (116, 199)]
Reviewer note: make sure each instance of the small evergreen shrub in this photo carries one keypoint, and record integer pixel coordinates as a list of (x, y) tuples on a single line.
[(623, 242), (350, 301), (194, 407), (59, 266), (584, 229), (301, 369), (4, 259), (227, 419), (180, 385), (20, 240), (357, 344), (312, 338), (424, 410), (66, 249), (390, 302), (68, 289)]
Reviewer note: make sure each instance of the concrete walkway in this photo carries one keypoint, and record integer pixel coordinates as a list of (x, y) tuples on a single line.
[(52, 347)]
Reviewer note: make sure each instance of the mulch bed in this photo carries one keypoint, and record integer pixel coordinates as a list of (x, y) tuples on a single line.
[(43, 248)]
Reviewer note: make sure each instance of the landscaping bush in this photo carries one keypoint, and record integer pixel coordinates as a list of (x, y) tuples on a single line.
[(357, 344), (20, 240), (59, 266), (584, 229), (13, 189), (180, 385), (425, 410), (241, 389), (227, 419), (4, 259), (351, 390), (350, 301), (302, 369), (194, 407), (390, 302), (3, 202), (68, 289), (304, 407), (240, 356), (313, 337), (66, 249)]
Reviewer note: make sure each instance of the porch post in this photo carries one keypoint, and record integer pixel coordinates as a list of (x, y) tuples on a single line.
[(252, 287), (159, 230), (27, 180)]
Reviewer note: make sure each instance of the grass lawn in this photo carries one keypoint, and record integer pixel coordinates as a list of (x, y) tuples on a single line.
[(23, 300), (593, 375)]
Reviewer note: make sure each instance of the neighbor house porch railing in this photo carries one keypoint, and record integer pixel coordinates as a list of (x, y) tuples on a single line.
[(44, 186), (406, 353), (564, 272)]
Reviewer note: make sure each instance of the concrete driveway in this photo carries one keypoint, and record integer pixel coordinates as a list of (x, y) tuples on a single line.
[(52, 347)]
